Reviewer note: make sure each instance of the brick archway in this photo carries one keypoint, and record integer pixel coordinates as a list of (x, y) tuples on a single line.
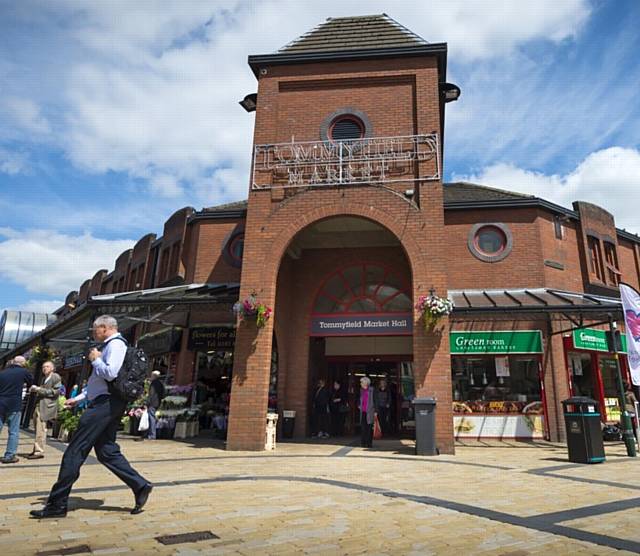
[(368, 212), (271, 227)]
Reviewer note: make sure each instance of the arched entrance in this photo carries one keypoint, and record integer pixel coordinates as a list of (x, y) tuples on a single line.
[(361, 325), (344, 308)]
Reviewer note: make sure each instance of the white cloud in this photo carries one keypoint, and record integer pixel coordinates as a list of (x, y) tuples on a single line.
[(47, 262), (151, 88), (39, 306), (609, 178), (12, 162), (26, 115)]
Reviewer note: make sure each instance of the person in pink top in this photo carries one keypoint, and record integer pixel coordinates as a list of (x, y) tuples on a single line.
[(367, 412)]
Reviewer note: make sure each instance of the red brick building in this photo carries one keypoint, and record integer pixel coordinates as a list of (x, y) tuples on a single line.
[(347, 223)]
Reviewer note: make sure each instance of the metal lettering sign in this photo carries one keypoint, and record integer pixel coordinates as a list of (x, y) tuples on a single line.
[(374, 161)]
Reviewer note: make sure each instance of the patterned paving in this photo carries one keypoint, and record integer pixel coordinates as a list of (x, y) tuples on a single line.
[(331, 498)]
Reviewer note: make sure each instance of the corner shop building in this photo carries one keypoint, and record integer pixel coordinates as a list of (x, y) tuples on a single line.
[(347, 223)]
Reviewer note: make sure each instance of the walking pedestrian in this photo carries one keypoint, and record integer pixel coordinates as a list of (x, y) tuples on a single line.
[(12, 379), (46, 407), (98, 426), (382, 398), (156, 393), (367, 412)]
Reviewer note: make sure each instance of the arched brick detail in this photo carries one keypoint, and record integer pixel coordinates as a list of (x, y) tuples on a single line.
[(271, 227)]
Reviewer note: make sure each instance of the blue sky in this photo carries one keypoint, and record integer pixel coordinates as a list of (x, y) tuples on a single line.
[(115, 114)]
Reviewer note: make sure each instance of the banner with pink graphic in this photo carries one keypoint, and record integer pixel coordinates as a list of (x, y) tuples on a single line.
[(631, 308)]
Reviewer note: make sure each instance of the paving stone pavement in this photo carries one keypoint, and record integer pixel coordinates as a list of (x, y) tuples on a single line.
[(508, 499)]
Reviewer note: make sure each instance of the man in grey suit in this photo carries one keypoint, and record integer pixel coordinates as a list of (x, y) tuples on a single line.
[(46, 407)]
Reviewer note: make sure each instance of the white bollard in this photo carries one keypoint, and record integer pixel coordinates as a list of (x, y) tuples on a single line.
[(272, 420)]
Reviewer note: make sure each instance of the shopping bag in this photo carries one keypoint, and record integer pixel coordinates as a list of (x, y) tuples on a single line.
[(144, 421), (377, 431)]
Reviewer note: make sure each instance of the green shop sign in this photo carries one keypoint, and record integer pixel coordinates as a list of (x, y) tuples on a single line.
[(498, 342), (594, 340)]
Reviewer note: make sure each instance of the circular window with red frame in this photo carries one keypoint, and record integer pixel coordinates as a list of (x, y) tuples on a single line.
[(490, 242), (346, 128), (233, 248), (346, 124)]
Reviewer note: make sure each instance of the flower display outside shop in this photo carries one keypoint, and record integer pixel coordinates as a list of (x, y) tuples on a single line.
[(433, 308), (251, 308), (67, 420)]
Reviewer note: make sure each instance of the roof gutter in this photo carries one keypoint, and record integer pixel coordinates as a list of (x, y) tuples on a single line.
[(258, 61)]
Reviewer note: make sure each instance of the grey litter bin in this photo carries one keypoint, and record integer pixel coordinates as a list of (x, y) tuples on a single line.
[(288, 423), (584, 433), (425, 414)]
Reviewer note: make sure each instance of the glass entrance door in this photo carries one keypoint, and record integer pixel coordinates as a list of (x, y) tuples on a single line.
[(398, 377)]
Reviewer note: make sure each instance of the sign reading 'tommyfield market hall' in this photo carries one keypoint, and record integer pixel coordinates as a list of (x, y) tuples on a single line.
[(347, 325)]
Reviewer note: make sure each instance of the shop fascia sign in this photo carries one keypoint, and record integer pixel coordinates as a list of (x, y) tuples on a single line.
[(594, 340), (73, 360), (496, 342), (373, 160), (383, 324), (209, 338)]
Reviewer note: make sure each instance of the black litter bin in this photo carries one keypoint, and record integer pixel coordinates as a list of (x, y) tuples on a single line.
[(584, 433), (425, 414), (288, 423)]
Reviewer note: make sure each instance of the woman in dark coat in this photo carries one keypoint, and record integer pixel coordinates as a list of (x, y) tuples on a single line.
[(321, 397), (339, 408)]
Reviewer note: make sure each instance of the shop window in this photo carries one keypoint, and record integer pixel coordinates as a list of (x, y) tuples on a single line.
[(611, 263), (581, 374), (496, 384), (363, 288), (595, 257), (609, 373), (490, 242)]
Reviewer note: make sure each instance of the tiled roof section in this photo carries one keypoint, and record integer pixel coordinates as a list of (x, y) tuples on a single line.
[(354, 33), (237, 205), (469, 192)]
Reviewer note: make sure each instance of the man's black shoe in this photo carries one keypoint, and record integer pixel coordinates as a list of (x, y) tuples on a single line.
[(141, 498), (12, 459), (49, 512)]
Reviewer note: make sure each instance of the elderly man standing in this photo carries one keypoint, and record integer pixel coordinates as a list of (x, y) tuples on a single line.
[(47, 406), (98, 425), (12, 378)]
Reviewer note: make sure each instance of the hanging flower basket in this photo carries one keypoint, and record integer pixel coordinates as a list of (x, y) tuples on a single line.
[(251, 309), (433, 308)]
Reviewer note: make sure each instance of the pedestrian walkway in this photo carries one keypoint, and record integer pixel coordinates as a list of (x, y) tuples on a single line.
[(506, 499)]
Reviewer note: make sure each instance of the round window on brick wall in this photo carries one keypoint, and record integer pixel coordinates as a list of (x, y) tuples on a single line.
[(490, 242), (346, 128), (233, 248)]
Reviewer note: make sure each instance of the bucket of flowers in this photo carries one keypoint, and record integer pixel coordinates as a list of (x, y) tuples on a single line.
[(170, 412), (433, 308), (251, 308)]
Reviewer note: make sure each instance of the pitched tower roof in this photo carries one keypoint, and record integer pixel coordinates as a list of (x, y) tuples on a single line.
[(354, 33), (365, 37)]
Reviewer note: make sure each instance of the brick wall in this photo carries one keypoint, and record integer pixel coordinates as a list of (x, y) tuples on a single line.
[(205, 260), (523, 267)]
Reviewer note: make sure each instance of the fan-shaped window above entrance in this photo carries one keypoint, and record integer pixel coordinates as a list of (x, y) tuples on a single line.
[(363, 288)]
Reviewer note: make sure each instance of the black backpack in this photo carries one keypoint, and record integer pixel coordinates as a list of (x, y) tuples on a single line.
[(129, 384)]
